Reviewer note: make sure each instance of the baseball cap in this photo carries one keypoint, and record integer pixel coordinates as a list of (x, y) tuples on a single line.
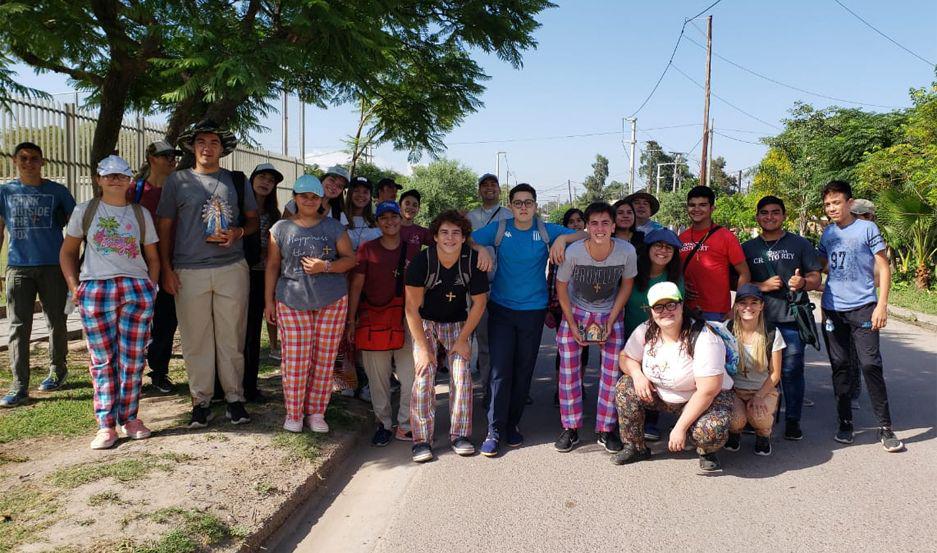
[(663, 291), (487, 176), (748, 290), (308, 183), (387, 207), (387, 181), (162, 148), (338, 171), (114, 165), (861, 206), (361, 181), (267, 168), (664, 235)]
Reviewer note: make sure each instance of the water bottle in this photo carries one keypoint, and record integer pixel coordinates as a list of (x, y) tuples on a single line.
[(828, 325), (69, 304), (866, 324)]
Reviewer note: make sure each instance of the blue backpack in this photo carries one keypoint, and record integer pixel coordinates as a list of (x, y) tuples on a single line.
[(731, 344)]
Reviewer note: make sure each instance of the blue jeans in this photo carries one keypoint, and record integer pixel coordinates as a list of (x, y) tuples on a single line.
[(792, 371), (513, 344)]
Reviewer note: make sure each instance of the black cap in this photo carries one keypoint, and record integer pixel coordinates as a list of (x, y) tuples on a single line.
[(387, 181)]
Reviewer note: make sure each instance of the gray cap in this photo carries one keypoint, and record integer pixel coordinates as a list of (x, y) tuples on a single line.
[(114, 165), (267, 168), (862, 206), (338, 171), (487, 176), (161, 148)]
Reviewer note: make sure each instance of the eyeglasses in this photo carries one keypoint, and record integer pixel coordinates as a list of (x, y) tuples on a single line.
[(115, 176), (524, 203), (669, 306)]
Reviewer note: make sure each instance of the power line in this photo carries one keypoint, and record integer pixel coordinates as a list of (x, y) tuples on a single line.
[(728, 103), (536, 138), (890, 39), (737, 139)]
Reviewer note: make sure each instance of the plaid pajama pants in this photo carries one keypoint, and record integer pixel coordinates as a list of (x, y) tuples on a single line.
[(309, 343), (423, 398), (116, 315), (570, 379)]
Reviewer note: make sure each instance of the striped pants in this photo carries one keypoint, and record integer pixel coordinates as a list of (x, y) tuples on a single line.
[(423, 398), (309, 343), (116, 315), (570, 379)]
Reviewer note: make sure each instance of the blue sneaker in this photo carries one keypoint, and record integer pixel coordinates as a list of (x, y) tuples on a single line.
[(14, 398), (51, 382), (490, 447), (515, 438)]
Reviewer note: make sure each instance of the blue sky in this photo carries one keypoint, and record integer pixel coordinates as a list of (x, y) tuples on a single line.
[(597, 61)]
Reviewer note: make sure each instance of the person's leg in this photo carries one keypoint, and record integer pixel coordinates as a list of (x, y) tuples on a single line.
[(606, 416), (403, 368), (295, 325), (838, 345), (711, 429), (630, 408), (460, 384), (423, 396), (869, 354), (502, 341), (159, 352), (97, 307), (569, 352), (377, 367), (134, 297), (327, 330), (53, 292), (739, 417), (762, 422), (229, 311), (529, 331), (194, 310), (21, 299), (792, 372), (253, 328), (484, 357)]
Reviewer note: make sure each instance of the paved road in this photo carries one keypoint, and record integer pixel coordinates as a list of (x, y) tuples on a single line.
[(814, 495)]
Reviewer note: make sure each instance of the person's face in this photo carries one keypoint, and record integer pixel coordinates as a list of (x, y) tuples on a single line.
[(389, 223), (333, 185), (115, 183), (264, 184), (749, 308), (449, 237), (360, 196), (642, 208), (523, 206), (699, 209), (162, 163), (600, 227), (836, 206), (489, 191), (28, 163), (207, 149), (624, 216), (409, 207), (770, 217), (668, 313), (308, 203), (661, 253), (575, 222), (387, 194)]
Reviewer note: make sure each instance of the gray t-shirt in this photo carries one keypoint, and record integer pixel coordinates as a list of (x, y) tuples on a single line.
[(754, 380), (113, 246), (185, 195), (593, 284), (295, 288)]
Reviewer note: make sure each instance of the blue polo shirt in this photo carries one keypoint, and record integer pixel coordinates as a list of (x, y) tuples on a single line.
[(34, 217), (520, 282)]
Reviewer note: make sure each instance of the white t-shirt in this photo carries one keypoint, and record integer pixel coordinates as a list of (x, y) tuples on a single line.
[(669, 368), (113, 246), (754, 380), (360, 232)]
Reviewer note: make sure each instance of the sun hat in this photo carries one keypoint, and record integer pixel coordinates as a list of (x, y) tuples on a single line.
[(655, 203), (228, 141), (386, 207), (308, 183), (663, 291), (267, 168), (114, 165), (664, 235)]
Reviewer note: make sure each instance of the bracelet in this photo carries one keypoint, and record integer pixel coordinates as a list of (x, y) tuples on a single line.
[(328, 266)]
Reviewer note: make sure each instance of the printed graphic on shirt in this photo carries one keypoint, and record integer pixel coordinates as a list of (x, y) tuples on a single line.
[(29, 211), (596, 284), (300, 246), (843, 254), (109, 240)]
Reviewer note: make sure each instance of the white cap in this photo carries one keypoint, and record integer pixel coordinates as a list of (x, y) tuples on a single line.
[(663, 291), (114, 165)]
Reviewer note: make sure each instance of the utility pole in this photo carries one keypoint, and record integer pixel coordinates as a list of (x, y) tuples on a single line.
[(285, 122), (709, 172), (302, 133), (738, 183), (634, 140), (498, 166), (704, 161), (569, 189), (676, 165)]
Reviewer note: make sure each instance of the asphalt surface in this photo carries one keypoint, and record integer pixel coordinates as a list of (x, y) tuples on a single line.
[(813, 495)]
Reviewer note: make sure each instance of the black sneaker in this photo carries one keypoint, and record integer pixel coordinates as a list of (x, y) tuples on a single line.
[(462, 446), (844, 434), (762, 446), (382, 436), (733, 443), (567, 440), (162, 383), (890, 442), (201, 415), (255, 396), (610, 441), (630, 454), (792, 431), (651, 432), (237, 413), (709, 462), (422, 452)]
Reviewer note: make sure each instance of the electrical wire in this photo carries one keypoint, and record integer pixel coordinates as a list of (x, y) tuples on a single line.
[(533, 139), (890, 39), (723, 100), (737, 139)]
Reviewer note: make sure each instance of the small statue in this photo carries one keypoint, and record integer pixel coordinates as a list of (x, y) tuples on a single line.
[(594, 333), (216, 213)]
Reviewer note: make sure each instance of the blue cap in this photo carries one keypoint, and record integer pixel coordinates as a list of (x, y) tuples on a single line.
[(664, 235), (114, 165), (387, 207), (748, 290), (308, 183)]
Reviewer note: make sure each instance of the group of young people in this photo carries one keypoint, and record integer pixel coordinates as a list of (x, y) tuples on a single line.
[(344, 278)]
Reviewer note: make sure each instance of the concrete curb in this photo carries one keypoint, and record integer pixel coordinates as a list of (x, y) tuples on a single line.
[(922, 320)]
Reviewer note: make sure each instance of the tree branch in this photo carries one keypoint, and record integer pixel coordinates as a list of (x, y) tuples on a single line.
[(77, 74)]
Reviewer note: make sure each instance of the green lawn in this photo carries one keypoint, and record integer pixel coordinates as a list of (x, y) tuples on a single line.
[(916, 300)]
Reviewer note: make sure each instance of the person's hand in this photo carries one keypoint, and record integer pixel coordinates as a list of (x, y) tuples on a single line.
[(171, 282), (558, 250), (423, 360), (313, 265), (484, 260), (270, 313), (644, 388), (759, 406), (879, 317), (796, 282), (74, 293), (574, 329), (462, 348), (350, 330), (677, 439), (772, 284), (231, 235)]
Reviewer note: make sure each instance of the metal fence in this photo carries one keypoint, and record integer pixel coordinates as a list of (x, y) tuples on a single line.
[(64, 131)]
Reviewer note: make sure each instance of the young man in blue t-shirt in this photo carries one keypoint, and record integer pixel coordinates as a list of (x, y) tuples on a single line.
[(852, 250), (516, 311), (34, 211)]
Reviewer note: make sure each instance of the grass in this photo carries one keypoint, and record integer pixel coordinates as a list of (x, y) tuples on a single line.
[(194, 531), (24, 511), (104, 498), (916, 300), (6, 458), (124, 470), (299, 446)]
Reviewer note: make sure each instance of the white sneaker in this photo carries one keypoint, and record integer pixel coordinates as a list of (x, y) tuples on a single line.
[(317, 423), (293, 426), (104, 439)]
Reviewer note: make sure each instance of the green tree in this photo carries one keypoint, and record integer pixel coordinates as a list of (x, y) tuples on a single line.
[(651, 157), (723, 183), (444, 184), (595, 183)]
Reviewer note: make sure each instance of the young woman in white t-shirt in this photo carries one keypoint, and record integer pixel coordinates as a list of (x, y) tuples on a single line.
[(674, 363)]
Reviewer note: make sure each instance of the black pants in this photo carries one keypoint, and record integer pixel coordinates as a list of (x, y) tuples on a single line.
[(159, 351), (851, 331), (255, 323)]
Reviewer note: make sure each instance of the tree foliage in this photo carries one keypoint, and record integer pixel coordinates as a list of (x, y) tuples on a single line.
[(444, 184), (651, 157), (595, 183)]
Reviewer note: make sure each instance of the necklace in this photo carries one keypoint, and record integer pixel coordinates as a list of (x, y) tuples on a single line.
[(770, 248), (104, 207)]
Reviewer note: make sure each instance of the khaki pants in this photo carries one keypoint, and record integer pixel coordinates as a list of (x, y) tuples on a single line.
[(743, 412), (377, 365), (211, 306)]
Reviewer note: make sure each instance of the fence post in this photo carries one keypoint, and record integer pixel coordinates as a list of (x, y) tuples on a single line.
[(70, 159), (141, 140)]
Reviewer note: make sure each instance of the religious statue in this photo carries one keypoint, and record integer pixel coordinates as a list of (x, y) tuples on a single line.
[(594, 333), (216, 214)]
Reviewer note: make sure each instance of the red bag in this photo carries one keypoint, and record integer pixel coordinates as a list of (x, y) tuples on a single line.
[(380, 328)]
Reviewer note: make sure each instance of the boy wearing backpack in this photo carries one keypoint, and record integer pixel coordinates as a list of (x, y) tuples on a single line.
[(439, 280), (114, 293)]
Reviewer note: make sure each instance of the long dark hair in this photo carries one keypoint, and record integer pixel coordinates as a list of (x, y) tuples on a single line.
[(674, 268), (634, 219), (690, 322), (271, 204), (569, 215)]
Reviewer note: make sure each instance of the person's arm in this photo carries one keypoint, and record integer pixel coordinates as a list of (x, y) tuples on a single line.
[(271, 275), (151, 253), (811, 281), (2, 231), (880, 314), (422, 359), (558, 249), (562, 295), (484, 261), (68, 259), (707, 388), (169, 278), (233, 234), (632, 367), (354, 298), (745, 275), (736, 256)]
